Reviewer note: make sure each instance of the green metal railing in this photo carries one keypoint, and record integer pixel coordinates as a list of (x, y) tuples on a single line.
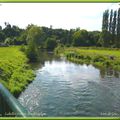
[(9, 105)]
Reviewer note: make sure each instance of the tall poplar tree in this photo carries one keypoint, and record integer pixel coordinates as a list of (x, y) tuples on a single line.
[(118, 29), (114, 23), (110, 22), (105, 22), (104, 38)]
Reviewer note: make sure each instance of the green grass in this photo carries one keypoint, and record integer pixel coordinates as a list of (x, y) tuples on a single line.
[(15, 73), (98, 57)]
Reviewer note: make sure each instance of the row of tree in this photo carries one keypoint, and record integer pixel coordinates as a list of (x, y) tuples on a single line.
[(49, 38), (9, 35), (110, 36)]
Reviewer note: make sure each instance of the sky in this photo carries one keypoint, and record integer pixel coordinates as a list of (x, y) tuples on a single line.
[(60, 15)]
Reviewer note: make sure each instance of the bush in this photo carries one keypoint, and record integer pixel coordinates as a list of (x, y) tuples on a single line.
[(23, 48), (15, 73), (32, 54), (50, 44)]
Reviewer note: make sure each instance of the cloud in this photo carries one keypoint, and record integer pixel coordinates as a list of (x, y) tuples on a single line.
[(60, 15)]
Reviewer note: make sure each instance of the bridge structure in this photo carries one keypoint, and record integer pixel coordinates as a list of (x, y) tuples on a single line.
[(10, 106)]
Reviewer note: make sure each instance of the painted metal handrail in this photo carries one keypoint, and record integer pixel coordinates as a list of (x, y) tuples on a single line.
[(7, 99)]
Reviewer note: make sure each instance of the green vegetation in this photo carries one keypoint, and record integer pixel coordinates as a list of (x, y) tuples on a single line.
[(110, 35), (51, 43), (34, 37), (95, 56), (15, 73)]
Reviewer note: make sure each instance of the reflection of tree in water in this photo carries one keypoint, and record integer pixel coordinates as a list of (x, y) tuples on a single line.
[(43, 56), (46, 56), (109, 72)]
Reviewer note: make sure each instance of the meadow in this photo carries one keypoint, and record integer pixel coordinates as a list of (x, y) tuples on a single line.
[(99, 57), (15, 72)]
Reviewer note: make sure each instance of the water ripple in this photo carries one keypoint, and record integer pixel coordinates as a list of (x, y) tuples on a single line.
[(66, 89)]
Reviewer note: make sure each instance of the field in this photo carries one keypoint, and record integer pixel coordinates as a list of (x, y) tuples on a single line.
[(98, 57), (15, 73)]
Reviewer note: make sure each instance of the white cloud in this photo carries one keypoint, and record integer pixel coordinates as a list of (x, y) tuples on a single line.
[(60, 15)]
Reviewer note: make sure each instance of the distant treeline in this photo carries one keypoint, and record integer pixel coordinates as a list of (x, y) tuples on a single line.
[(13, 35), (49, 38)]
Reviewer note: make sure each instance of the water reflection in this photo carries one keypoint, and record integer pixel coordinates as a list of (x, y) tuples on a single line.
[(49, 56), (43, 56), (63, 88), (109, 72)]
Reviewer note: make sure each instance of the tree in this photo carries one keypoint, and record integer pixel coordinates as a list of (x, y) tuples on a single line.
[(51, 43), (118, 29), (7, 30), (80, 38), (105, 38), (33, 37), (22, 39), (12, 32), (0, 28), (114, 27), (110, 23), (114, 23), (8, 41), (35, 34), (94, 36), (2, 37), (108, 29), (105, 21)]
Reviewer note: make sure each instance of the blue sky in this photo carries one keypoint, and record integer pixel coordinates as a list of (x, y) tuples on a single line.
[(59, 15)]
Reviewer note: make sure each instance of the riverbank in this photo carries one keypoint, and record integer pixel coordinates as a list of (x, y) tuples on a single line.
[(95, 56), (15, 73), (63, 88)]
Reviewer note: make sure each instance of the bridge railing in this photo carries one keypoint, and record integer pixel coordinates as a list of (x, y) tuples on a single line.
[(9, 105)]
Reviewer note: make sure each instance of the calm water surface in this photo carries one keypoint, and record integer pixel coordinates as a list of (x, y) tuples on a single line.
[(63, 88)]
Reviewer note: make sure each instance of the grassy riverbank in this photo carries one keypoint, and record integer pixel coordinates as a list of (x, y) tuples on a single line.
[(15, 73), (95, 56)]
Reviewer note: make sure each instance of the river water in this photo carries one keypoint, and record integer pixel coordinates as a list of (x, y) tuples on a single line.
[(62, 88)]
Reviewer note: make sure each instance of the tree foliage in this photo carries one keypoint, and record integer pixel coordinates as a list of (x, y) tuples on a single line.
[(110, 35), (80, 38), (42, 37), (105, 20), (33, 39), (51, 43)]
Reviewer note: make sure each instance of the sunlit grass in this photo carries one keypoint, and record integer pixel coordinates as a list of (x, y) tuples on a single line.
[(97, 56), (15, 73)]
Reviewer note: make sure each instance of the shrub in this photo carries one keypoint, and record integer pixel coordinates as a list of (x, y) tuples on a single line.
[(15, 73)]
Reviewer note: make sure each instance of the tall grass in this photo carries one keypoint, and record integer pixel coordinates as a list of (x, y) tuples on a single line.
[(96, 56), (15, 73)]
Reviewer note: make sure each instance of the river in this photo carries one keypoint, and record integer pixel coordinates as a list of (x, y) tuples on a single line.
[(62, 88)]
